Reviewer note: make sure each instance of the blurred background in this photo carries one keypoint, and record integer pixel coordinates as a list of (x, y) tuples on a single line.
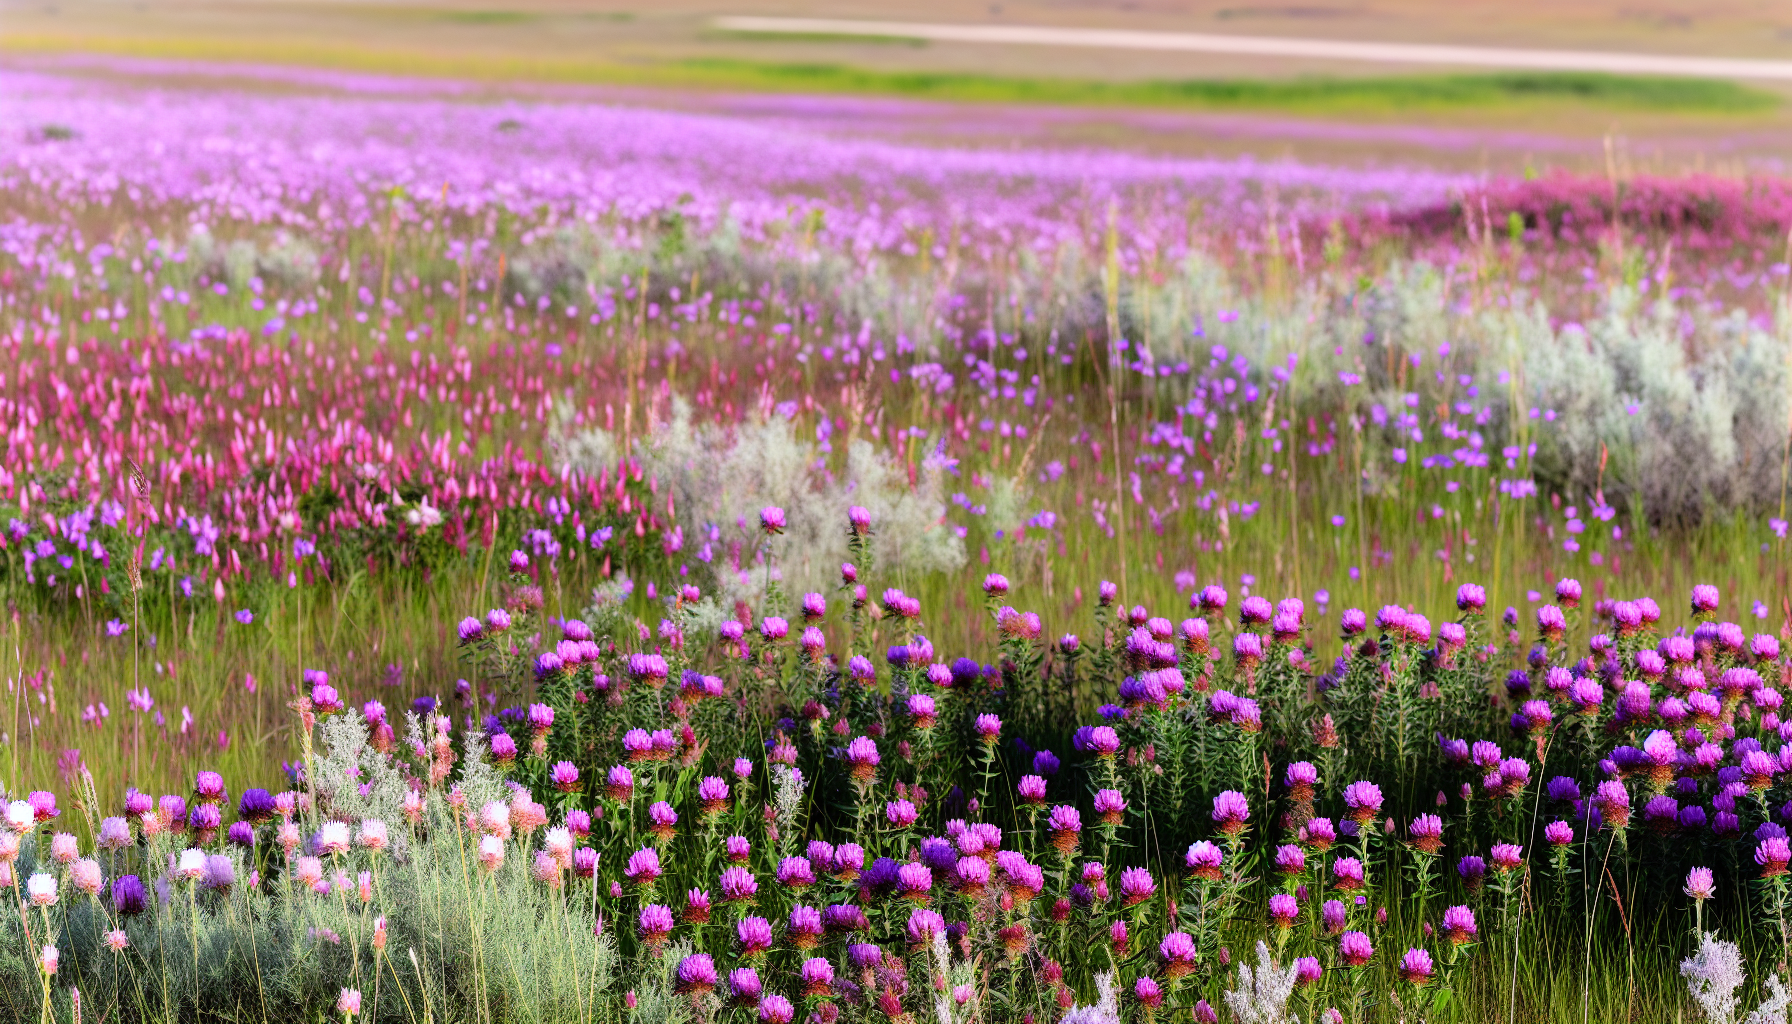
[(682, 53)]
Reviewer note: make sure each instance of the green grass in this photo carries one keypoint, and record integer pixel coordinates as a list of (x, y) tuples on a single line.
[(1393, 92)]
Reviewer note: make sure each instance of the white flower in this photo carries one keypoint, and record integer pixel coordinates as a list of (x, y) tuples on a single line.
[(332, 837), (1262, 997), (491, 852), (374, 835), (20, 816), (192, 864), (42, 889), (1713, 975)]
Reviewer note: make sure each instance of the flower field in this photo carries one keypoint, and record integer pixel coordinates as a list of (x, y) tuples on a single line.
[(483, 560)]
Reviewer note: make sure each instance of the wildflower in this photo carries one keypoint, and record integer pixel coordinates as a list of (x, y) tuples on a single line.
[(42, 890), (914, 882), (1415, 967), (1332, 917), (654, 924), (1773, 855), (1558, 833), (48, 959), (1507, 857), (862, 758), (1283, 910), (818, 977), (1103, 741), (116, 940), (988, 729), (775, 1009), (491, 853), (1231, 812), (696, 973), (1177, 954), (1354, 949), (1136, 886), (1459, 925), (1203, 860), (771, 520), (1110, 806), (128, 896), (1066, 826), (1347, 874), (1364, 800), (744, 986), (1427, 833), (1701, 884)]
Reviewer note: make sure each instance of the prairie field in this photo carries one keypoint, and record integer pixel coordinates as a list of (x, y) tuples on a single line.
[(569, 513)]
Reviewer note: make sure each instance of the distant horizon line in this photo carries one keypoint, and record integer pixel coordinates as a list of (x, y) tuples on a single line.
[(1597, 61)]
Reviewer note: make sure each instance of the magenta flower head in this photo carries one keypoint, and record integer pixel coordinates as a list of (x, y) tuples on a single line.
[(754, 935), (1255, 611), (849, 860), (858, 519), (619, 785), (1301, 778), (1307, 971), (1148, 993), (1247, 649), (1205, 1013), (1066, 826), (1031, 789), (1459, 925), (1613, 801), (818, 977), (209, 787), (654, 924), (900, 813), (470, 629), (1704, 599), (1178, 954), (1347, 874), (737, 884), (1203, 860), (771, 520), (775, 1009), (1333, 916), (1568, 593), (923, 925), (643, 866), (1291, 859), (1283, 910), (696, 973), (1353, 621), (1701, 884), (324, 699), (914, 882), (804, 927), (1773, 855), (1364, 801), (1507, 857), (796, 873), (1558, 834), (862, 758), (1586, 695), (565, 777), (1103, 741), (1319, 833), (1355, 949), (1471, 598), (744, 986), (1426, 833), (1231, 812), (1210, 600), (989, 729), (1415, 967), (995, 584), (1110, 806), (1551, 623), (1136, 886)]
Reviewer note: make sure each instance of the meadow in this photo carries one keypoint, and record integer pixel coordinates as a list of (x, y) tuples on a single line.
[(550, 561)]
